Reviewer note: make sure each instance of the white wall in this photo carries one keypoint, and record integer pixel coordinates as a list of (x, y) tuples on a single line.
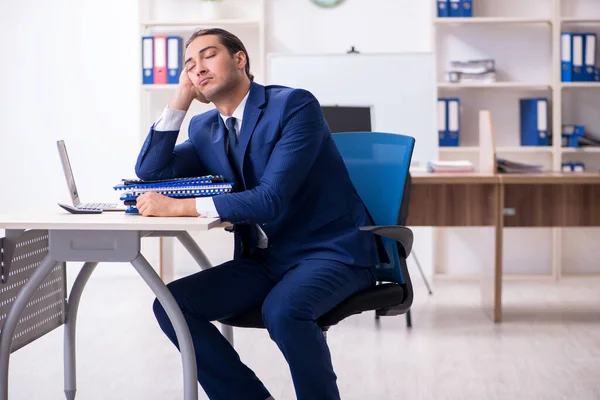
[(70, 71)]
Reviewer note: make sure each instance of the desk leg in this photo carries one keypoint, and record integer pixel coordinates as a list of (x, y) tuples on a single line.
[(196, 252), (12, 318), (186, 347), (491, 279), (70, 321)]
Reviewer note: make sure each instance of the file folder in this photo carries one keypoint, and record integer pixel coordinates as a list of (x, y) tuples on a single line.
[(534, 122), (578, 50), (453, 122), (160, 59), (174, 58), (442, 116), (442, 10), (148, 60), (590, 57), (566, 57), (454, 10), (466, 8)]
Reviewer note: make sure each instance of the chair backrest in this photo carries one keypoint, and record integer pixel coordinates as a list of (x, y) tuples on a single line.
[(378, 164)]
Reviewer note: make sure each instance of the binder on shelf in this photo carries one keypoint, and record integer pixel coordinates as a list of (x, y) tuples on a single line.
[(454, 8), (571, 134), (566, 57), (160, 59), (148, 60), (453, 136), (466, 8), (442, 115), (589, 67), (187, 187), (174, 58), (578, 56), (597, 74), (534, 121), (442, 8), (570, 166)]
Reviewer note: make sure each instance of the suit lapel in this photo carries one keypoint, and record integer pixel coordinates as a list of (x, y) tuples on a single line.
[(218, 138), (252, 113)]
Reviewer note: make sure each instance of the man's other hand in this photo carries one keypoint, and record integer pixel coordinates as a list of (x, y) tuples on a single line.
[(152, 204)]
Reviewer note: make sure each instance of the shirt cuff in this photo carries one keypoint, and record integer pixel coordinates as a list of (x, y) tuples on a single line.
[(206, 207), (169, 120)]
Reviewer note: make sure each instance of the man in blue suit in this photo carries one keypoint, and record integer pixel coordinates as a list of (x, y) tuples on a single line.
[(296, 216)]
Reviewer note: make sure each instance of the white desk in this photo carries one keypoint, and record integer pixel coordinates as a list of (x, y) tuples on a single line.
[(38, 245)]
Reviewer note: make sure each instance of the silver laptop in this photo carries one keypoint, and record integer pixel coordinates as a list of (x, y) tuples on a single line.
[(77, 203)]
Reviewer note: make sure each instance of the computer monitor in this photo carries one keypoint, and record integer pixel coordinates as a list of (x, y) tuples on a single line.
[(347, 118)]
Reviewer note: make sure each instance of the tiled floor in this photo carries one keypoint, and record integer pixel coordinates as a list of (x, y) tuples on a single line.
[(547, 348)]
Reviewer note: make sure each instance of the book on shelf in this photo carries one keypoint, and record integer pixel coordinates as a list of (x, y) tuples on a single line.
[(514, 167), (450, 166), (472, 71)]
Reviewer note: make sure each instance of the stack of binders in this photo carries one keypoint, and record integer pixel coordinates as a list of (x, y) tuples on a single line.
[(201, 186), (474, 71), (162, 59), (454, 8), (578, 57)]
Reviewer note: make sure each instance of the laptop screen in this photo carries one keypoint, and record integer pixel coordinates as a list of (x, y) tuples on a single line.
[(347, 119), (66, 164)]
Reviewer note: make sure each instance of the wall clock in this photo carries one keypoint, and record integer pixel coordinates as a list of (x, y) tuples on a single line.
[(327, 3)]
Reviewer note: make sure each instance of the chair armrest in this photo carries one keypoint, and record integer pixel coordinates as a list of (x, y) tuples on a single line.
[(401, 234)]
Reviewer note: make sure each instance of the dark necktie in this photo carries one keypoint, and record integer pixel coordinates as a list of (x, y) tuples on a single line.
[(232, 137)]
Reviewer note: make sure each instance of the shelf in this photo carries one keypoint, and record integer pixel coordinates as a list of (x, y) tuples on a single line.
[(198, 23), (595, 149), (490, 20), (459, 149), (525, 149), (495, 85), (580, 84), (172, 86), (580, 20)]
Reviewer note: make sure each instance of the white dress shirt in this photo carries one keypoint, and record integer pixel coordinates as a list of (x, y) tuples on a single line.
[(171, 120)]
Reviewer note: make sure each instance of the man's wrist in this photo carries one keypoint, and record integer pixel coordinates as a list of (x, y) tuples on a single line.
[(187, 207)]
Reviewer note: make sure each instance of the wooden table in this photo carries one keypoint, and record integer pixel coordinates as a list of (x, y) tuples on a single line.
[(503, 200)]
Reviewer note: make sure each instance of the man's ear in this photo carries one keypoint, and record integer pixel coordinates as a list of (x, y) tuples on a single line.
[(240, 59)]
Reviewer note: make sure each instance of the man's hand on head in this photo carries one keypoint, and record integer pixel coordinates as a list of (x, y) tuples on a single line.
[(152, 204)]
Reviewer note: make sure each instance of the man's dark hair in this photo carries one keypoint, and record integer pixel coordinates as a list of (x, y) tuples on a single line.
[(231, 42)]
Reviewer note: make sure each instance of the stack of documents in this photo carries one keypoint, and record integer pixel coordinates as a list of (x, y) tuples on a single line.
[(513, 167), (199, 186), (473, 71), (450, 166)]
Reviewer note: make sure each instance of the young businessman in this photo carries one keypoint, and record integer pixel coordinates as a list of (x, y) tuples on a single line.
[(298, 248)]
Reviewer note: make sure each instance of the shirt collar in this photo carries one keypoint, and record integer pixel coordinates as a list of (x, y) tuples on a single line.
[(238, 114)]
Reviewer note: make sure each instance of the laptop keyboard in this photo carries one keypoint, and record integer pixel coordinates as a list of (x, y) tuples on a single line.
[(97, 206)]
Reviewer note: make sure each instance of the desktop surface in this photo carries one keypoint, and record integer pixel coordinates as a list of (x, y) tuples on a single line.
[(104, 221)]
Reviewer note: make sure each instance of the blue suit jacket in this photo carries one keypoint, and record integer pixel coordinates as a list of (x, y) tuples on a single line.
[(294, 183)]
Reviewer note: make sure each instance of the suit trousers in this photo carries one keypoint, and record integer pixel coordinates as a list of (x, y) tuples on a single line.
[(291, 297)]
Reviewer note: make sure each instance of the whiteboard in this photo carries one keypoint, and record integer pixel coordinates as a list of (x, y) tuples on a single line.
[(399, 88)]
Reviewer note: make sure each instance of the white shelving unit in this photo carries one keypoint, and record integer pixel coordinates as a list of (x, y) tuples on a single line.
[(524, 40), (244, 18)]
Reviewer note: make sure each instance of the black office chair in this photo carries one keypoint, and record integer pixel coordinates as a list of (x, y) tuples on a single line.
[(378, 165)]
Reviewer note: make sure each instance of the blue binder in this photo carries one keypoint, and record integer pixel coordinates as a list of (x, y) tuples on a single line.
[(148, 60), (578, 57), (453, 126), (466, 8), (174, 58), (571, 134), (566, 57), (534, 121), (597, 74), (589, 64), (442, 115), (454, 8), (442, 8)]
